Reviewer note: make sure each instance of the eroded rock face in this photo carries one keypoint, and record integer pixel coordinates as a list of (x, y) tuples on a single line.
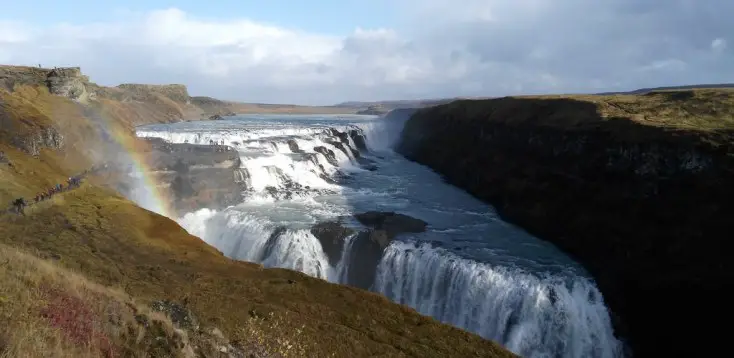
[(67, 82), (43, 138), (197, 176)]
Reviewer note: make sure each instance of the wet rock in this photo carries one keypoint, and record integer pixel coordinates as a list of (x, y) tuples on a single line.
[(216, 117), (293, 145), (345, 148), (359, 139), (392, 223), (328, 153), (365, 254), (332, 234), (369, 245), (272, 240), (343, 136)]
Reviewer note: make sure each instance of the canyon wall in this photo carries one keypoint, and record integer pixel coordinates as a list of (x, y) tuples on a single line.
[(636, 188)]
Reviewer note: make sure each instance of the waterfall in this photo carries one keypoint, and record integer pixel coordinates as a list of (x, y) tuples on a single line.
[(303, 171), (532, 316)]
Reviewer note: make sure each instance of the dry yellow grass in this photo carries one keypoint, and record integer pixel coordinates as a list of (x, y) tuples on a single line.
[(45, 309), (699, 109)]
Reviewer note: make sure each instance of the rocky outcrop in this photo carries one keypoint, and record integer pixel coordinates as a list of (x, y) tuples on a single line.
[(198, 176), (642, 206), (33, 142), (293, 146), (369, 245), (332, 234), (328, 154), (392, 223), (68, 82), (359, 139)]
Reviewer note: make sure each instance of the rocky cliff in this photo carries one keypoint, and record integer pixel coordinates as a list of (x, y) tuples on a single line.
[(196, 176), (68, 82), (636, 188)]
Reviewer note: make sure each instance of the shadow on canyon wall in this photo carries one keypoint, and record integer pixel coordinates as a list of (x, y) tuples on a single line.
[(636, 188)]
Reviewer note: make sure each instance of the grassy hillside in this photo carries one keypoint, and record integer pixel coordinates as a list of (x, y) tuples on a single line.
[(82, 274), (635, 187)]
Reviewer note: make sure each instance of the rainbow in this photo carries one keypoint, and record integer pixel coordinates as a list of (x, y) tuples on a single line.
[(147, 193)]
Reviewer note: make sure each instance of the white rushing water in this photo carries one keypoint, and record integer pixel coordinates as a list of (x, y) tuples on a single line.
[(468, 269)]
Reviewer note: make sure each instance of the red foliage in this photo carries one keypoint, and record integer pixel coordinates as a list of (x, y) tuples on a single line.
[(76, 320)]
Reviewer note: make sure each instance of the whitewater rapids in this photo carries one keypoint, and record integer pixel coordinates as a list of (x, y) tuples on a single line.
[(469, 269)]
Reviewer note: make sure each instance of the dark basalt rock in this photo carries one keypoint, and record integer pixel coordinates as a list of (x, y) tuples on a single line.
[(332, 234), (328, 153), (392, 223), (272, 240), (364, 257), (359, 139), (369, 245), (293, 145)]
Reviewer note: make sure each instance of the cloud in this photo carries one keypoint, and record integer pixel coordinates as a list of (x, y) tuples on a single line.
[(440, 48), (718, 45)]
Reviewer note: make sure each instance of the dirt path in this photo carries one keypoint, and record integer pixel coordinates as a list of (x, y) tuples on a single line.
[(30, 204)]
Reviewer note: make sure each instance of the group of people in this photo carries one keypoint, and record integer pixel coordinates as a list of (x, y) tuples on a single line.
[(219, 146), (72, 183)]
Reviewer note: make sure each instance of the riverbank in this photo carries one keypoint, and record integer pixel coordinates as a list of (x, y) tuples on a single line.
[(636, 188)]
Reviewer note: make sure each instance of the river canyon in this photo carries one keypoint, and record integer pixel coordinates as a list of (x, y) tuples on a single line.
[(326, 195)]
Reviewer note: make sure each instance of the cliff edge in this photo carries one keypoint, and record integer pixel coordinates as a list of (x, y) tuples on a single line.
[(636, 188)]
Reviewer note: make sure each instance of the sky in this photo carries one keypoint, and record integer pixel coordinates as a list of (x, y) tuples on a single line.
[(322, 52)]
